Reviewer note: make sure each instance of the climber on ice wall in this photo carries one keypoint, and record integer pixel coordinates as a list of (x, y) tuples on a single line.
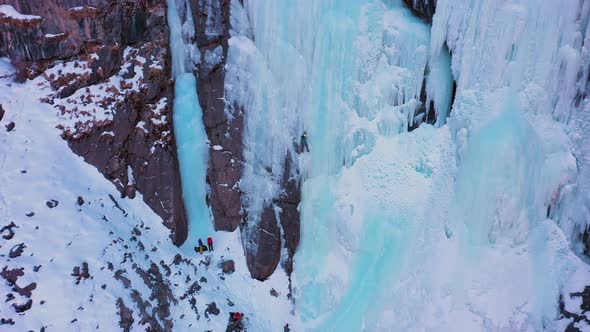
[(304, 142)]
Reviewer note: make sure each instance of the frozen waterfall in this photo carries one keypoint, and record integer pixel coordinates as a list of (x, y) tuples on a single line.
[(191, 140), (443, 228)]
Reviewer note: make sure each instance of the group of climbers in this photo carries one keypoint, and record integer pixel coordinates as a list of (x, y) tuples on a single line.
[(202, 247)]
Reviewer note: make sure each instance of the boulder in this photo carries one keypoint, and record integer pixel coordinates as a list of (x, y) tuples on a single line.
[(10, 126), (52, 203), (23, 307), (228, 266)]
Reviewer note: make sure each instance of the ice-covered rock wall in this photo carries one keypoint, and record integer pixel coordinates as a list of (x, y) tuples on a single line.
[(536, 53), (291, 69)]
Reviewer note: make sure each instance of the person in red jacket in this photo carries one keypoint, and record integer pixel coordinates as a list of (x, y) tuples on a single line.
[(287, 329), (210, 243)]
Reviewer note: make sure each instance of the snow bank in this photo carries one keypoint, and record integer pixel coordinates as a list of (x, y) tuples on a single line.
[(9, 12)]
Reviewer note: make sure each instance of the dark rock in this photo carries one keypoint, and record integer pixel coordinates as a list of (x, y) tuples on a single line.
[(81, 272), (424, 114), (228, 266), (149, 317), (17, 250), (224, 171), (274, 293), (576, 317), (119, 276), (263, 261), (84, 273), (230, 303), (36, 268), (10, 126), (203, 279), (125, 316), (52, 203), (212, 309), (160, 292), (1, 112), (7, 232), (11, 275), (422, 8), (23, 307), (585, 240), (6, 321), (80, 201), (30, 214), (27, 291), (9, 297)]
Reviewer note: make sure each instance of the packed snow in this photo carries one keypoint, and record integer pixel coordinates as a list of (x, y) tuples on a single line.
[(10, 12)]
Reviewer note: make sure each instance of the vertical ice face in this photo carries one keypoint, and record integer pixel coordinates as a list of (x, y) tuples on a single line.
[(191, 141), (443, 226), (537, 53), (336, 69)]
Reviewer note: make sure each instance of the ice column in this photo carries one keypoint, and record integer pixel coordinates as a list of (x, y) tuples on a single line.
[(191, 140)]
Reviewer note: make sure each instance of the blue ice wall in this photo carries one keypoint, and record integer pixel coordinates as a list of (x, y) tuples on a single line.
[(189, 131)]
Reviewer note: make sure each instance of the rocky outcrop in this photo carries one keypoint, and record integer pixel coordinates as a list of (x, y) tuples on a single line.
[(211, 18), (577, 318), (264, 252), (422, 8), (112, 89), (224, 126)]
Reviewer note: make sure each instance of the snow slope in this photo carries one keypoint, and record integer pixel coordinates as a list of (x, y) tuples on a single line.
[(123, 242)]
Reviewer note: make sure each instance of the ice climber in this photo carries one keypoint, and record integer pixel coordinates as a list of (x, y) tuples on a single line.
[(200, 246), (235, 322), (210, 243), (304, 142), (287, 329)]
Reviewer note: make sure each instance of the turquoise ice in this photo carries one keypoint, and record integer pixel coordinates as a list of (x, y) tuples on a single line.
[(189, 131)]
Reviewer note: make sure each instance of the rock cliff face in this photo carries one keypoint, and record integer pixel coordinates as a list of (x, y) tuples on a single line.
[(211, 18), (224, 126), (108, 63)]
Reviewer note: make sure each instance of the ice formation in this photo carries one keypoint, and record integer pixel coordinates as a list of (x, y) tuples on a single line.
[(445, 227), (189, 131)]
